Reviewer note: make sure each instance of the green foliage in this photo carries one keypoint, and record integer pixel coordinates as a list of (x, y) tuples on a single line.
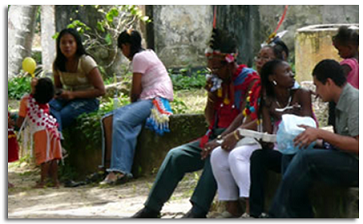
[(187, 82), (182, 81), (114, 21), (90, 124), (79, 26), (18, 86), (178, 106)]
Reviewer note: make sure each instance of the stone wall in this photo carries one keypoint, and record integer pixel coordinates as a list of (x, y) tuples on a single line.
[(181, 34), (313, 44), (299, 16)]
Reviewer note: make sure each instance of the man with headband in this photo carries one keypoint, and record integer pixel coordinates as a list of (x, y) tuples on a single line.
[(227, 88)]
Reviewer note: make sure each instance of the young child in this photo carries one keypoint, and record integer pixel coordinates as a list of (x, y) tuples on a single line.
[(346, 41), (13, 147), (34, 111), (347, 44)]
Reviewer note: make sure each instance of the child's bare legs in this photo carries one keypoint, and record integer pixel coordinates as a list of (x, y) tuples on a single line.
[(54, 172), (44, 170)]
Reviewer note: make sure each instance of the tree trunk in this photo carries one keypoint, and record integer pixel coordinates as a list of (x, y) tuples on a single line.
[(21, 27), (244, 22), (48, 43)]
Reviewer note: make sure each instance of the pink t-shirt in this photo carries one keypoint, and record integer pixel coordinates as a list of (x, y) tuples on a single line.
[(353, 75), (155, 79)]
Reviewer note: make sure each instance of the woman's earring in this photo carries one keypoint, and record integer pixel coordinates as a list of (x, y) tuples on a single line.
[(274, 82)]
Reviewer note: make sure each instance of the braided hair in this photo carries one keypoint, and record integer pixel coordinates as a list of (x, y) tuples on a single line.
[(223, 41)]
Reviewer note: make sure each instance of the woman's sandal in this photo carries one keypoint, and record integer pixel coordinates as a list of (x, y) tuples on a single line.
[(119, 178)]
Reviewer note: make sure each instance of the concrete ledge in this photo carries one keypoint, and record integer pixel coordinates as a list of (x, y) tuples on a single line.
[(86, 154), (327, 201)]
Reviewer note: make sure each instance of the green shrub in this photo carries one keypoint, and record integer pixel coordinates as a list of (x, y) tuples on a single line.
[(178, 106), (18, 86), (183, 81)]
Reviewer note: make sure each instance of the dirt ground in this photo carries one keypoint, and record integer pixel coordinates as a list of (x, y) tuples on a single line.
[(89, 201)]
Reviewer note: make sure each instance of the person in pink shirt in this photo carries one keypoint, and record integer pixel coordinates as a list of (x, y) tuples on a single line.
[(151, 91), (346, 41), (347, 44)]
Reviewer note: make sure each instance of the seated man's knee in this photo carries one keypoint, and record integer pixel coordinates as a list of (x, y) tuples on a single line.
[(174, 152)]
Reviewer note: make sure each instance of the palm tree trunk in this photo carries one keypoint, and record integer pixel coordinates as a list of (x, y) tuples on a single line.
[(21, 26)]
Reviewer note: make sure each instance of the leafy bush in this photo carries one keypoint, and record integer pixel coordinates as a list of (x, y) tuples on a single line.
[(18, 86), (178, 106), (187, 82), (184, 81)]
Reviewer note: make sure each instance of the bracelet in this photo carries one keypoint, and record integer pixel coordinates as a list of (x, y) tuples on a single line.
[(236, 135), (219, 137)]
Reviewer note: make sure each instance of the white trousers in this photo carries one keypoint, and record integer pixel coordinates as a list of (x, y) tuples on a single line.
[(232, 171)]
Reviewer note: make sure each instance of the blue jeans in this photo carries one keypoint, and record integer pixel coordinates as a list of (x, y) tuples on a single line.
[(330, 166), (126, 125), (67, 111)]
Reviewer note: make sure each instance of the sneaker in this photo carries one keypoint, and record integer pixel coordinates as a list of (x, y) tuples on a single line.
[(191, 215), (264, 215), (226, 215), (146, 213), (246, 216)]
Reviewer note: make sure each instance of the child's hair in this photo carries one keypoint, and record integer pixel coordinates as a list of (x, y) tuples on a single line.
[(279, 48), (223, 41), (346, 36), (131, 37), (60, 60), (268, 69), (329, 69), (44, 90)]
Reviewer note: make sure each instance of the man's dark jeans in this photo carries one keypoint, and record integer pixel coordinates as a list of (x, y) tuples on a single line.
[(330, 166)]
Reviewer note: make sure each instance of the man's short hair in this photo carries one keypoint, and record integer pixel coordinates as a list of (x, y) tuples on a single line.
[(329, 69)]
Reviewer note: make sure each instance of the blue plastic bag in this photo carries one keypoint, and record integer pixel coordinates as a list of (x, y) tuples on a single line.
[(288, 130)]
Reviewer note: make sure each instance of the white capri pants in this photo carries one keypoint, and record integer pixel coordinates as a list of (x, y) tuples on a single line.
[(232, 171)]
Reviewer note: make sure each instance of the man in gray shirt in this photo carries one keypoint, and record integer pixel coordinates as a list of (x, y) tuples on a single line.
[(338, 164)]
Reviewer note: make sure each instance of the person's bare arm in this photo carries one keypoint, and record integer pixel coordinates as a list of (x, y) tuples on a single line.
[(209, 111), (346, 69), (136, 87)]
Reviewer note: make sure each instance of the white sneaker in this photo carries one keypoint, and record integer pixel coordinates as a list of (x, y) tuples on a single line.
[(245, 216)]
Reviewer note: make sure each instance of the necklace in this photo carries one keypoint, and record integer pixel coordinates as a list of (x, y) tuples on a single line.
[(288, 103)]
